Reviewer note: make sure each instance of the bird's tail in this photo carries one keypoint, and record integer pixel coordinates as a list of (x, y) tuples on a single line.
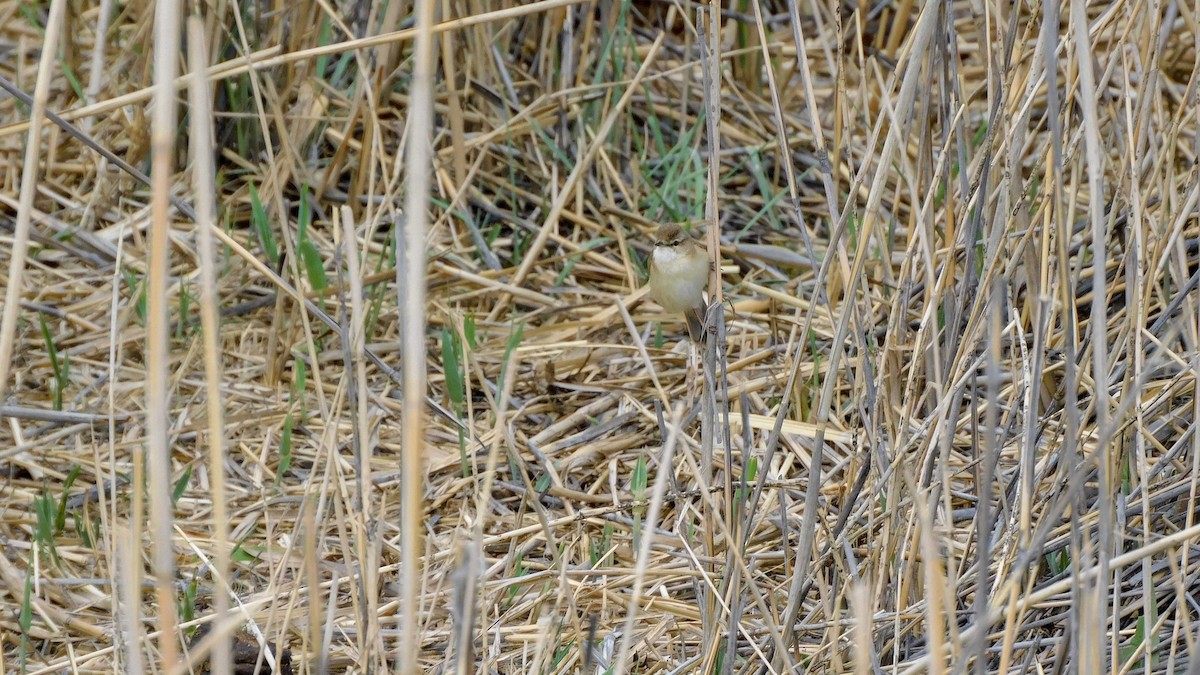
[(695, 323)]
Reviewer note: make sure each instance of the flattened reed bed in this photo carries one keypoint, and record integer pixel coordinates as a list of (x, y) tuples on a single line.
[(922, 238)]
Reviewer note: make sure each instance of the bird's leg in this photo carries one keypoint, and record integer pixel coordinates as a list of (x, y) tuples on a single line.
[(710, 321)]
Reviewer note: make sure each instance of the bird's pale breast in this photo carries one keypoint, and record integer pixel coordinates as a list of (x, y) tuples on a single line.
[(678, 281)]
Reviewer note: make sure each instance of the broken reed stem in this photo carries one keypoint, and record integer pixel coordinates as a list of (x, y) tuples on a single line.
[(29, 181)]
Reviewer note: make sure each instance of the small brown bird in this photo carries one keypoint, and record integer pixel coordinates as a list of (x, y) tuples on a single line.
[(678, 274)]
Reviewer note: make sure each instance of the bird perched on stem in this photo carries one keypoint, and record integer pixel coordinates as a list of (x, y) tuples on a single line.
[(678, 274)]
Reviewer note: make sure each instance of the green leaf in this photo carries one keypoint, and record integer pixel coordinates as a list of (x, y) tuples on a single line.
[(26, 617), (85, 529), (314, 267), (60, 522), (187, 608), (1126, 654), (323, 36), (47, 516), (285, 449), (1058, 561), (185, 303), (638, 481), (299, 384), (469, 330), (514, 339), (137, 292), (305, 216), (240, 554), (73, 80), (44, 507), (263, 227), (181, 484), (55, 364)]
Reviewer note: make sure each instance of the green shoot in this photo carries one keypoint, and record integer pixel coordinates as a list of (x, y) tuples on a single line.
[(452, 358), (314, 266), (285, 449), (61, 368), (181, 485), (514, 339), (258, 217), (637, 485)]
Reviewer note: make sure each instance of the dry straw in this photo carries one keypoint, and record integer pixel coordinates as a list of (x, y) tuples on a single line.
[(362, 376)]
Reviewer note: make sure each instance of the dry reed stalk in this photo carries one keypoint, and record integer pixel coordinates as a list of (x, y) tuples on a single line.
[(205, 190), (417, 161), (158, 353)]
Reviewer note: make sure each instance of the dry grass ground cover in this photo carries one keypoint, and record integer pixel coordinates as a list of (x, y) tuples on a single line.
[(348, 352)]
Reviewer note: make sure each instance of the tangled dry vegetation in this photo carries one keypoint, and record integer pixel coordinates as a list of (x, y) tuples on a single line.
[(948, 421)]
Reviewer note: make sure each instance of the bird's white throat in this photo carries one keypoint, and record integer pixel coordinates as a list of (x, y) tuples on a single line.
[(665, 255)]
